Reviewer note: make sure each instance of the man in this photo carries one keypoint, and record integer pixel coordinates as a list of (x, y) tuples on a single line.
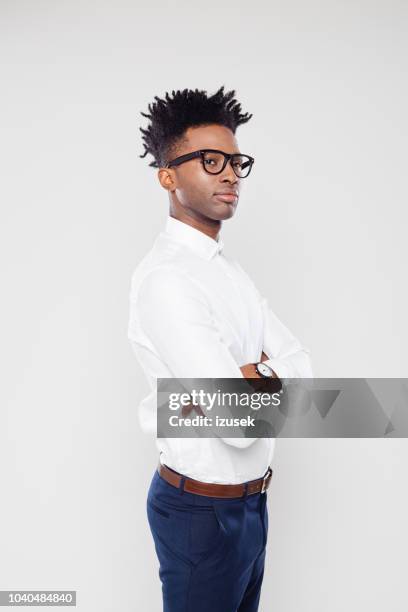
[(195, 313)]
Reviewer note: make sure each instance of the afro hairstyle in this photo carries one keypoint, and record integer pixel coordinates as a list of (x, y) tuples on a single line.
[(172, 116)]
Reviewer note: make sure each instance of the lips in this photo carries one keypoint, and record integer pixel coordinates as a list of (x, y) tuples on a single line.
[(230, 197)]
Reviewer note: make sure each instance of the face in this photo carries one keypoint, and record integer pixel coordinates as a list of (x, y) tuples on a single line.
[(193, 191)]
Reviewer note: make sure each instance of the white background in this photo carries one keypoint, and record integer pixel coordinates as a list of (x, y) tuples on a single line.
[(320, 227)]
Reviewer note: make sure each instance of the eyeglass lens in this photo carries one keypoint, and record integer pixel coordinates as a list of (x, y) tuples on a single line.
[(213, 163)]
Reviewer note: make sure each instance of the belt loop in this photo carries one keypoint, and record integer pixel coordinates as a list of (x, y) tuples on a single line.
[(181, 485), (245, 495)]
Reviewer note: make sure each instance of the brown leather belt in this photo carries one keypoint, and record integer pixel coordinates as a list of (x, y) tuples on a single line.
[(212, 489)]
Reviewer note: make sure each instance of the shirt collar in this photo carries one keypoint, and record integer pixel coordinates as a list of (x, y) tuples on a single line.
[(195, 239)]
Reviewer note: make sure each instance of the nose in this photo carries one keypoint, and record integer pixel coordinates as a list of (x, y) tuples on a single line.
[(229, 175)]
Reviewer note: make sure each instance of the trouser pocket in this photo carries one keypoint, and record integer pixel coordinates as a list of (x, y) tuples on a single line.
[(193, 533)]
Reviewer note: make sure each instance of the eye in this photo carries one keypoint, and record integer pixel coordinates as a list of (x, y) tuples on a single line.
[(213, 162), (238, 162)]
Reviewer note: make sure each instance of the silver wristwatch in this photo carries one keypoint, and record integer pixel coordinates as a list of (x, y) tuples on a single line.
[(264, 370)]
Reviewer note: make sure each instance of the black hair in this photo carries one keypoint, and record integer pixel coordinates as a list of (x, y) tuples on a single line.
[(172, 116)]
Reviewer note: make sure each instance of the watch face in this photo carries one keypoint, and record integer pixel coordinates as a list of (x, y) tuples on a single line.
[(264, 370)]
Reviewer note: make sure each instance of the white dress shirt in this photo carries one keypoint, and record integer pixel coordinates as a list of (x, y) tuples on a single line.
[(195, 313)]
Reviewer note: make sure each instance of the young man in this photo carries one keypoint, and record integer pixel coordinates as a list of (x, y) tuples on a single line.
[(195, 313)]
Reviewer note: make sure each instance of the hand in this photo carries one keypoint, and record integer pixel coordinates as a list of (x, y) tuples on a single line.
[(186, 410)]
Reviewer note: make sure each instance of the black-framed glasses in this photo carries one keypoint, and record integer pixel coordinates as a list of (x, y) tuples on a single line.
[(214, 161)]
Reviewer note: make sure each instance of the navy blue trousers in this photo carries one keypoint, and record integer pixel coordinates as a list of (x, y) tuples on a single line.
[(211, 550)]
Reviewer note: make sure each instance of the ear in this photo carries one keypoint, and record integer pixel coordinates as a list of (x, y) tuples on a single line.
[(167, 178)]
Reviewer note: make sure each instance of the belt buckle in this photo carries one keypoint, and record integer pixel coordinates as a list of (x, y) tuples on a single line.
[(265, 480)]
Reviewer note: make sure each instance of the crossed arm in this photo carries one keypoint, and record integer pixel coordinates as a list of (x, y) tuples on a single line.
[(249, 372), (176, 317)]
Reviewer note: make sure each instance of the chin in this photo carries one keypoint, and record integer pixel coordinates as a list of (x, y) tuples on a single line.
[(223, 212)]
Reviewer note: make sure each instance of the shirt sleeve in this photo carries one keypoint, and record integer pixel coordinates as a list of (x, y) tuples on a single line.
[(287, 356), (176, 317)]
